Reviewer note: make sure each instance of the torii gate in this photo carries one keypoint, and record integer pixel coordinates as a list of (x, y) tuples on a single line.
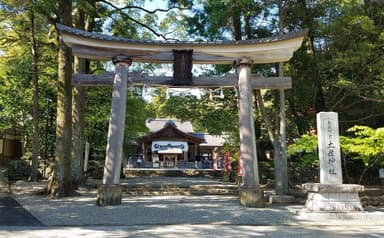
[(123, 51)]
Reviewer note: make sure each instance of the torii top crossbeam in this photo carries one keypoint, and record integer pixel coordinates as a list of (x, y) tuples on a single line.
[(104, 47)]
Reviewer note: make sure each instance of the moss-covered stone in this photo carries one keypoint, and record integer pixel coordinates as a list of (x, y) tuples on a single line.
[(109, 195), (252, 197)]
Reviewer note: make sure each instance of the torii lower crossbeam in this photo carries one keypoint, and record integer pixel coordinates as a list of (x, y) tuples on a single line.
[(106, 79)]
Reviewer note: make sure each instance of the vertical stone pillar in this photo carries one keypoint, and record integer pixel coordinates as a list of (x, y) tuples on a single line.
[(144, 149), (251, 195), (109, 193), (329, 148)]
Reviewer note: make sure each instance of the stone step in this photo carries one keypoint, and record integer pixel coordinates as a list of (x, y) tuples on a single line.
[(176, 181), (177, 189), (372, 191), (129, 173), (173, 182)]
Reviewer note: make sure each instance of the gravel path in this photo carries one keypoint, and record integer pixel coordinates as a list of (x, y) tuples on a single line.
[(168, 210), (145, 210)]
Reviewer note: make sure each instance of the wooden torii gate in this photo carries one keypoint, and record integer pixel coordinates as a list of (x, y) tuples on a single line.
[(123, 51)]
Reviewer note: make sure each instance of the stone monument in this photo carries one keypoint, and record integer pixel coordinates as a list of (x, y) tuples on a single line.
[(331, 195)]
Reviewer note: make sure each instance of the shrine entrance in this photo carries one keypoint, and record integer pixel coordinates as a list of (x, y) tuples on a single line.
[(123, 51)]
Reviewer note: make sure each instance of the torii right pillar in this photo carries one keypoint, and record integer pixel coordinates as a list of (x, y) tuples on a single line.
[(251, 194)]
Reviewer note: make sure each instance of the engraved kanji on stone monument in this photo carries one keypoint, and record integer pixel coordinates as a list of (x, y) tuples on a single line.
[(329, 148), (331, 195)]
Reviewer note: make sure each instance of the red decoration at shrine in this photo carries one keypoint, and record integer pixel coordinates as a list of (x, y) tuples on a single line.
[(239, 164)]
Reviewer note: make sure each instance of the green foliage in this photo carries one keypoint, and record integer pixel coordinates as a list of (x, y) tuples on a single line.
[(306, 149), (215, 20), (209, 114), (364, 143), (98, 109), (16, 72), (339, 66), (360, 143), (97, 117), (135, 117)]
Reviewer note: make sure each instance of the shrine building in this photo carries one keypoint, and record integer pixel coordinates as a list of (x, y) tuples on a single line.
[(174, 144)]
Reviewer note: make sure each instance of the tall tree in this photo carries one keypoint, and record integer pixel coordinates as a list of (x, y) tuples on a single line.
[(35, 80), (337, 69), (83, 21), (61, 181)]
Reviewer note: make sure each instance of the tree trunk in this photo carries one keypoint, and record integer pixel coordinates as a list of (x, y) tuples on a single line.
[(276, 146), (78, 110), (236, 20), (35, 80), (268, 124), (280, 154), (61, 181), (78, 113), (281, 165)]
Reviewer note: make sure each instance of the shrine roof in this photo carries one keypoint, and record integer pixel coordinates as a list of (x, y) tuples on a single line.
[(93, 45), (157, 124), (211, 140), (169, 131)]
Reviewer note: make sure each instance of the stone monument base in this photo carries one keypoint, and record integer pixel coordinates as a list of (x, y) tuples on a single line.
[(333, 198), (3, 178), (281, 199), (109, 195), (252, 197)]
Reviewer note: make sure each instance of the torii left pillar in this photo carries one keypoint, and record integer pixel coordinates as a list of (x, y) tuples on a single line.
[(251, 194), (110, 192)]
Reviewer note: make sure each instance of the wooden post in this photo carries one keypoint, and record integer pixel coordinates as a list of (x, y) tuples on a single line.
[(280, 161), (86, 157), (144, 146), (110, 192), (250, 193)]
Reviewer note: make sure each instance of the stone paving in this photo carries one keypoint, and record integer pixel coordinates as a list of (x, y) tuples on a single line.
[(175, 216), (12, 214), (192, 231)]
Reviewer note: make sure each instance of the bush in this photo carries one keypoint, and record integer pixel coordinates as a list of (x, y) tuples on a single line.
[(362, 150)]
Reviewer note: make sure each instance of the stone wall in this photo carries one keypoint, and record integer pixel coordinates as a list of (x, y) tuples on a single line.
[(372, 201), (19, 169)]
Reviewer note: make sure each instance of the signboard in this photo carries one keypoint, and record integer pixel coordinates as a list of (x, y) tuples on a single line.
[(381, 173), (155, 161), (170, 151), (176, 146)]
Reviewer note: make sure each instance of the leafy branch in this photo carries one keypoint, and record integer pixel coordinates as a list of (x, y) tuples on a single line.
[(120, 10)]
